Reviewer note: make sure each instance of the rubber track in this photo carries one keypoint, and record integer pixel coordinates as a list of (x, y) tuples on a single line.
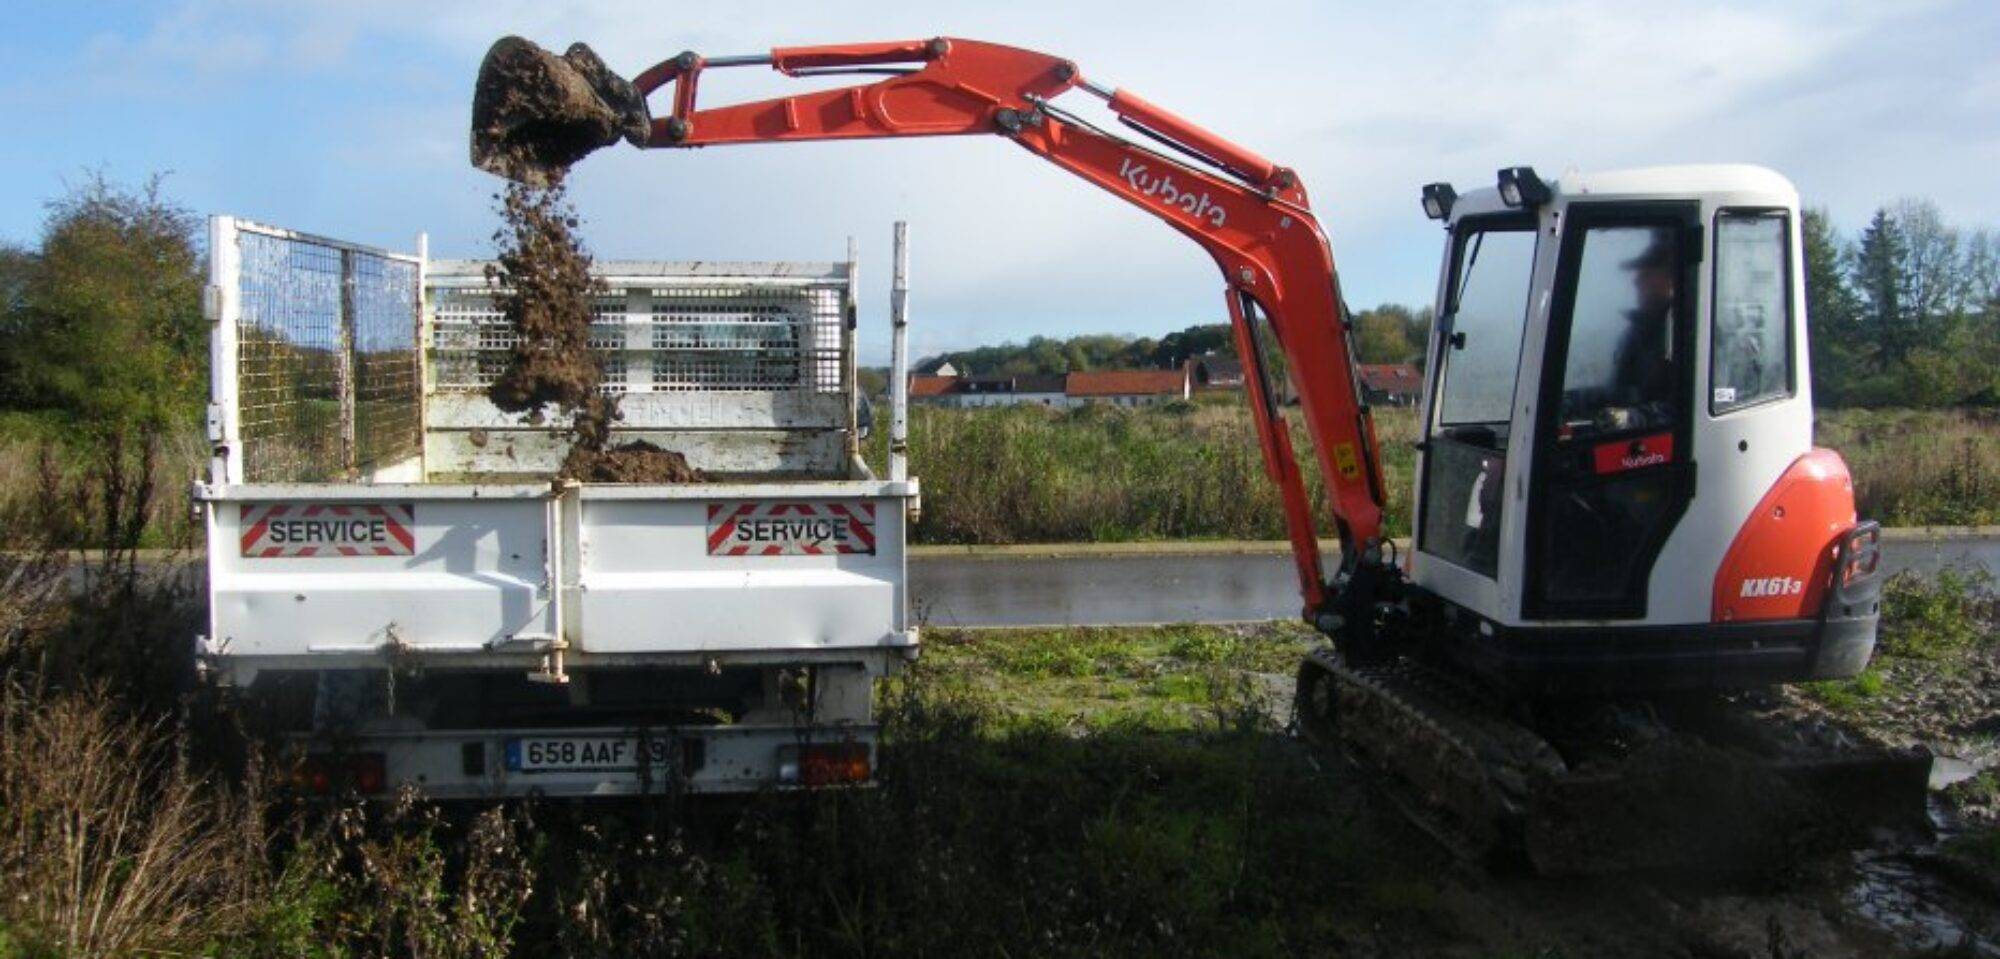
[(1456, 766)]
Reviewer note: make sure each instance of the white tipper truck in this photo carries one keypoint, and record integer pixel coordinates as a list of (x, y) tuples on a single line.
[(391, 566)]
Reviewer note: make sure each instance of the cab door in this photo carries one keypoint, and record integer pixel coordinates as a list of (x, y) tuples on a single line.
[(1481, 320), (1612, 471)]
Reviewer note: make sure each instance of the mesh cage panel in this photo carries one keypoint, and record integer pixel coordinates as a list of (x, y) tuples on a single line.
[(743, 337), (387, 391), (325, 334), (288, 360)]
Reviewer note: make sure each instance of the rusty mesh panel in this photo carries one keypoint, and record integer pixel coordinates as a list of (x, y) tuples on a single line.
[(288, 360), (327, 380), (387, 391)]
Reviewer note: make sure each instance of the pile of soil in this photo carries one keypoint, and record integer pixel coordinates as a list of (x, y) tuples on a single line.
[(534, 114), (543, 274), (634, 462)]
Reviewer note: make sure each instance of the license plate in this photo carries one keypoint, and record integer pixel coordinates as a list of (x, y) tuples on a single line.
[(538, 754)]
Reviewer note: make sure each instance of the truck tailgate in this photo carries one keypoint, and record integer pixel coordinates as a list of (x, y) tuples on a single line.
[(333, 571)]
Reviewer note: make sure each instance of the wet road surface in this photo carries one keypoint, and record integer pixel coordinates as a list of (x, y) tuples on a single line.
[(1102, 590)]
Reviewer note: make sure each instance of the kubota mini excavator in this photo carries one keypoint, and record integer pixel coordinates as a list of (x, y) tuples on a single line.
[(1616, 488)]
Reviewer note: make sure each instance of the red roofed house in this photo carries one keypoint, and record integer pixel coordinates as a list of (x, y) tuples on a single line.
[(1117, 387), (1391, 384), (931, 388), (1127, 387)]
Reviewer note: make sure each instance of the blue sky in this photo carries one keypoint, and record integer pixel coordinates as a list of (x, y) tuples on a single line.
[(349, 119)]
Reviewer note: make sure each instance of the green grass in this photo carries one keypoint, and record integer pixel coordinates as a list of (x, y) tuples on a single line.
[(1934, 628)]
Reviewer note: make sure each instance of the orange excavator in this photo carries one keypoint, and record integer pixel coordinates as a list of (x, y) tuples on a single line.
[(1616, 493)]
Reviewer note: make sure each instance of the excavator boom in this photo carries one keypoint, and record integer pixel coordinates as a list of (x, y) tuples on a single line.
[(1250, 214)]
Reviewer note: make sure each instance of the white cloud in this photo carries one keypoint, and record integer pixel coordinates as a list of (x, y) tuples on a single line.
[(1366, 100)]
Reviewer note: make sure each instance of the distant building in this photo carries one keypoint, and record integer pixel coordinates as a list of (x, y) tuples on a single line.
[(1117, 387), (969, 391), (1128, 387), (1214, 371), (1391, 384), (931, 389)]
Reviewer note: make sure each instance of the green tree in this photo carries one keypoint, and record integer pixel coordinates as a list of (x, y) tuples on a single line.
[(1878, 282), (1392, 333), (1839, 350), (108, 319), (17, 271)]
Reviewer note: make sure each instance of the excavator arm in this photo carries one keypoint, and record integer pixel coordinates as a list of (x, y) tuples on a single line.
[(1250, 214)]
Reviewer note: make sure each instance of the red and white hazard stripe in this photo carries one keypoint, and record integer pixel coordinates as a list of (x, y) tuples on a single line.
[(397, 519), (783, 527)]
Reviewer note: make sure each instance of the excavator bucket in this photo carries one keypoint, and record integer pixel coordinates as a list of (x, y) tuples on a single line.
[(534, 113)]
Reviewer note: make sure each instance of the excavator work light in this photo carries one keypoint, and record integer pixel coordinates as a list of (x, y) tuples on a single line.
[(1438, 198), (1520, 187)]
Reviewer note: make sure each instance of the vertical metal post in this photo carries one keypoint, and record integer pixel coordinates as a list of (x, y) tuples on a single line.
[(349, 453), (223, 302), (899, 358), (423, 320), (849, 380)]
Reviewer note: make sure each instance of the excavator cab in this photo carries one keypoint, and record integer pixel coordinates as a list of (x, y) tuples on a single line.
[(1616, 482)]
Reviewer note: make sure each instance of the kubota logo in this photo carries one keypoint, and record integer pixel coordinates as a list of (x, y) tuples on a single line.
[(1647, 458), (1772, 586), (1140, 177)]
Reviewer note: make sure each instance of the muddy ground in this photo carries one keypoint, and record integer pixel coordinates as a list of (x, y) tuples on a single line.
[(1894, 895)]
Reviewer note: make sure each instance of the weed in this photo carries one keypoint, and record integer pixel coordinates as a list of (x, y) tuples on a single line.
[(1934, 617)]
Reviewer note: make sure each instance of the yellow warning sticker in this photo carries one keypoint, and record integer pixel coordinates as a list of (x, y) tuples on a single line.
[(1345, 460)]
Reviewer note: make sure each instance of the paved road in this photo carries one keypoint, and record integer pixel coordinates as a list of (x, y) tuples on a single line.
[(1028, 590), (1184, 583)]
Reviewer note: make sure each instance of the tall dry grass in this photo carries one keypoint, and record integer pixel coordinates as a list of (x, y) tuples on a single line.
[(109, 844), (35, 458), (1102, 473), (1920, 467)]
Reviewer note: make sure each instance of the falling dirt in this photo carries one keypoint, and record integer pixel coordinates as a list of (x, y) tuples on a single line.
[(542, 272), (535, 113)]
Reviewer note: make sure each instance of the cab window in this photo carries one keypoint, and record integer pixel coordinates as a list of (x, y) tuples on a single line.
[(1750, 344), (1618, 372), (1488, 312)]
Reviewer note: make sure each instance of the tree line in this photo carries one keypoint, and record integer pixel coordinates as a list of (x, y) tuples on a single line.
[(102, 319), (1905, 314)]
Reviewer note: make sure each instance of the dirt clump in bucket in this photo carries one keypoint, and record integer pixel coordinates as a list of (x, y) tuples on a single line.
[(544, 291), (535, 113)]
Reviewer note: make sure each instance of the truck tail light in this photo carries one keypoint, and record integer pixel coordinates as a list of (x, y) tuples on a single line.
[(323, 774), (824, 764), (1863, 553)]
